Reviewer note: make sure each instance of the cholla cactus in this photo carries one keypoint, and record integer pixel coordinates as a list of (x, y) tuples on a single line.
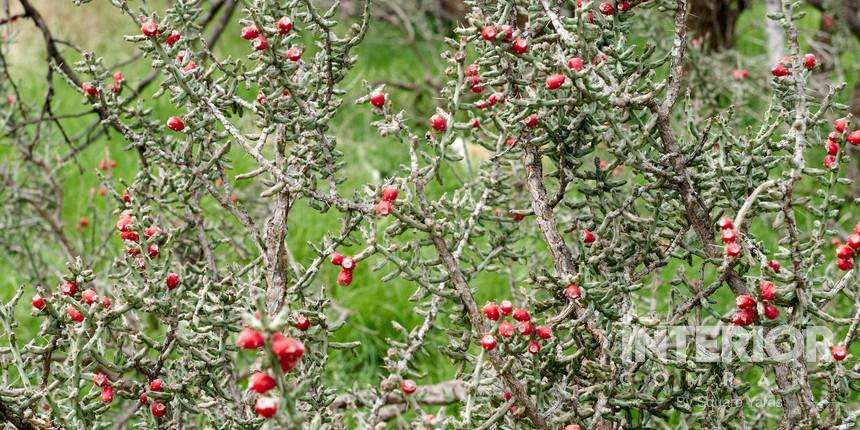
[(616, 194)]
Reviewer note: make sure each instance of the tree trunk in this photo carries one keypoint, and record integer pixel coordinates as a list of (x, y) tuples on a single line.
[(713, 22)]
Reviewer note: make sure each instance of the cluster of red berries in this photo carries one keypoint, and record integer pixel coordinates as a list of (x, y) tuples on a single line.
[(288, 351), (506, 329), (347, 264), (386, 203), (70, 288), (845, 253), (157, 409), (781, 70), (102, 381), (832, 144), (260, 43), (606, 8), (747, 312), (729, 236)]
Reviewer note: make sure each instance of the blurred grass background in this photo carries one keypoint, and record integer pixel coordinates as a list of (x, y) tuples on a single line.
[(386, 55)]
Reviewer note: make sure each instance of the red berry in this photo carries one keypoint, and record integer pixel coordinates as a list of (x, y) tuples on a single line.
[(507, 395), (287, 347), (854, 138), (745, 301), (89, 296), (302, 323), (152, 250), (107, 394), (767, 290), (491, 311), (475, 122), (507, 32), (506, 329), (845, 252), (525, 328), (408, 386), (771, 312), (143, 399), (336, 258), (587, 236), (495, 98), (38, 302), (521, 314), (261, 383), (531, 121), (89, 90), (383, 208), (779, 71), (158, 409), (149, 28), (377, 98), (173, 37), (733, 249), (832, 147), (520, 46), (572, 427), (506, 307), (74, 314), (488, 342), (129, 235), (729, 235), (572, 291), (488, 32), (854, 241), (740, 74), (188, 68), (774, 265), (285, 25), (294, 53), (607, 8), (266, 407), (838, 352), (261, 44), (555, 81), (534, 347), (69, 288), (439, 122), (840, 125), (575, 64), (106, 301), (172, 281), (472, 70), (844, 265), (726, 223), (151, 231), (624, 6), (744, 317), (389, 194), (156, 384), (250, 339), (175, 123), (809, 61), (250, 32), (101, 380), (543, 332), (348, 263), (830, 161), (344, 278)]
